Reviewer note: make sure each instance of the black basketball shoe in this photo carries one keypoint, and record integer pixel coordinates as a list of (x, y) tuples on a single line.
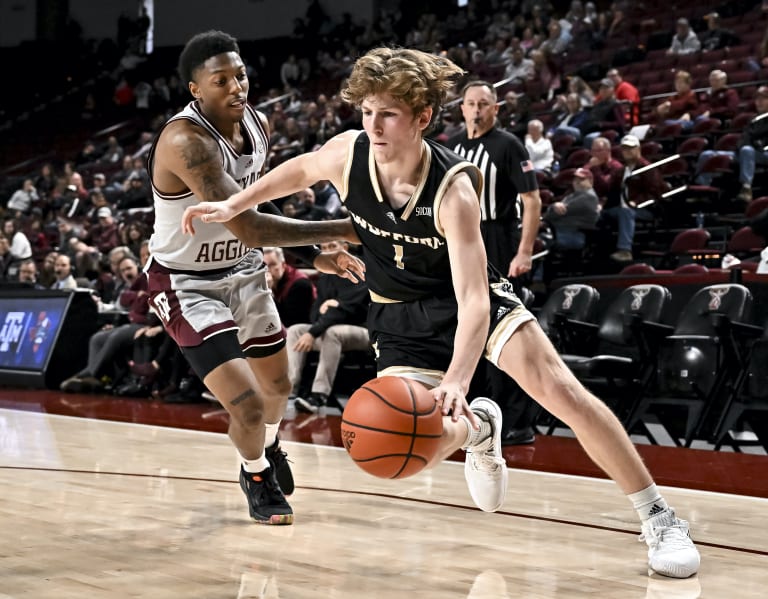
[(311, 404), (266, 501), (279, 460)]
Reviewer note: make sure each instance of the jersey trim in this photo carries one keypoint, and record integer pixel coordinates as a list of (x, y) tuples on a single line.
[(347, 169), (227, 143), (380, 299), (431, 378), (423, 176), (477, 183)]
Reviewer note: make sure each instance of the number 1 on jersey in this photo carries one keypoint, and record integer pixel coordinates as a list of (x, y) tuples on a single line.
[(399, 256)]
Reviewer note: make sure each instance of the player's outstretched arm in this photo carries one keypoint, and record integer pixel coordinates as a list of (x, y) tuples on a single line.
[(289, 177), (193, 157)]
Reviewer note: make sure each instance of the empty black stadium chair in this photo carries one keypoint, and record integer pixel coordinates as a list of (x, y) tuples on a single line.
[(695, 362)]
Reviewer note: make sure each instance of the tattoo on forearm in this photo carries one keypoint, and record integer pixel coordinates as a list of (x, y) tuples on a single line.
[(257, 229), (243, 396)]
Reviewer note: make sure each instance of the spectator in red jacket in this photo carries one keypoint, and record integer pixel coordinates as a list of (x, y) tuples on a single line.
[(720, 102), (627, 94), (604, 167), (682, 106)]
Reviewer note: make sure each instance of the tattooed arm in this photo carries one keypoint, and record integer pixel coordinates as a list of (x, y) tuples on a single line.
[(187, 157)]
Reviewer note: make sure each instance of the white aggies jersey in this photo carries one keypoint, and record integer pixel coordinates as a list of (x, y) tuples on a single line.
[(213, 246)]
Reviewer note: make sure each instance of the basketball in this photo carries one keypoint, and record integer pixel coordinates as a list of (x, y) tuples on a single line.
[(391, 427)]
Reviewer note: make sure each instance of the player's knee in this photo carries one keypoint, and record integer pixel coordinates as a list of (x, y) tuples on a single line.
[(248, 412), (556, 383), (279, 387)]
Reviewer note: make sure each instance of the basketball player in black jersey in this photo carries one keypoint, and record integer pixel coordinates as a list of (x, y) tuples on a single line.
[(508, 174), (210, 292), (415, 209)]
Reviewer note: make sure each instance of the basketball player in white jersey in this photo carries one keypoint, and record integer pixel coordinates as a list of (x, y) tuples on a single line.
[(210, 290), (400, 92)]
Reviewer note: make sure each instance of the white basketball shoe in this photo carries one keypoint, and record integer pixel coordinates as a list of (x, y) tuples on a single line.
[(671, 551), (484, 467)]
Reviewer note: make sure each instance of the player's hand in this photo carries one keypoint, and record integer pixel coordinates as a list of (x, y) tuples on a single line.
[(521, 264), (451, 400), (207, 212), (342, 264), (304, 343)]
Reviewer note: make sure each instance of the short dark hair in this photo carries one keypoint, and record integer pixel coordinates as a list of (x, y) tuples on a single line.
[(200, 48), (479, 83)]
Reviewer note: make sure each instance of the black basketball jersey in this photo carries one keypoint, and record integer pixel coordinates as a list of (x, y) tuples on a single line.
[(404, 250), (506, 168)]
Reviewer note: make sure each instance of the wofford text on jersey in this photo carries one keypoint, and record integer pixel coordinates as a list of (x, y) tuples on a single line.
[(431, 242)]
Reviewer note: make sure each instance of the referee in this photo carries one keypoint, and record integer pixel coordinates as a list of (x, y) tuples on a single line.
[(508, 181)]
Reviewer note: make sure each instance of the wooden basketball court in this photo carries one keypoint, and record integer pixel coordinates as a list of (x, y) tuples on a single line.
[(94, 508)]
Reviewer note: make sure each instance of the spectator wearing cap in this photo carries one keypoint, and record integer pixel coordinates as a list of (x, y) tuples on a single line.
[(627, 94), (720, 101), (682, 106), (99, 182), (97, 241), (104, 236), (752, 148), (577, 211), (625, 207), (685, 40), (716, 37), (606, 114), (136, 195)]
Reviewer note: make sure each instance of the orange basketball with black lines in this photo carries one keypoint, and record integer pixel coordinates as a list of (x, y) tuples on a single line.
[(391, 427)]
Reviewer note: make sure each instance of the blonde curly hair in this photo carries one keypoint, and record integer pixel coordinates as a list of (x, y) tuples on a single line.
[(415, 78)]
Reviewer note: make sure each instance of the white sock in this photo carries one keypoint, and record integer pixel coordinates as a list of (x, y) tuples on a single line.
[(648, 502), (255, 466), (474, 437), (270, 435)]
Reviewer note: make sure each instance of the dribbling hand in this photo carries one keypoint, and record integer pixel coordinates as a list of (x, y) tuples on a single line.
[(451, 400), (207, 212), (342, 264)]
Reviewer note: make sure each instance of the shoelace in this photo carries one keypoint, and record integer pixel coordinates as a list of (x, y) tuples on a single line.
[(269, 487), (279, 456), (675, 535), (485, 461)]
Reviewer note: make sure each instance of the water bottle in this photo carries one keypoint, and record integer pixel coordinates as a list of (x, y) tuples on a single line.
[(555, 167), (700, 219)]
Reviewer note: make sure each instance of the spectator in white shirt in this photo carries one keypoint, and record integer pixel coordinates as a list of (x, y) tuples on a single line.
[(539, 147), (22, 199), (21, 249)]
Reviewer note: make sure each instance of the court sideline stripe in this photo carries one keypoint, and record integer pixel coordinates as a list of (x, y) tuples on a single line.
[(387, 496)]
